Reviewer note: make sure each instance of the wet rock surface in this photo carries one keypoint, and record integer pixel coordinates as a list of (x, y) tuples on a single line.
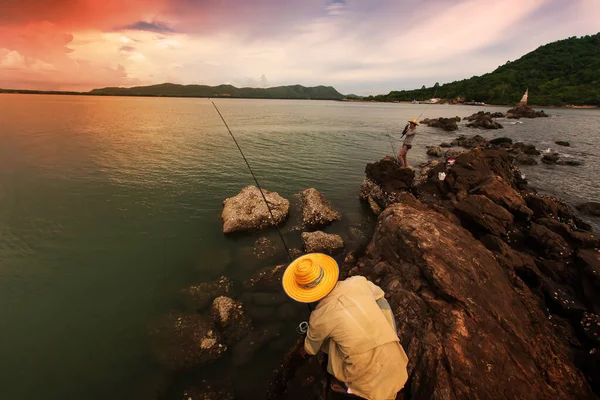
[(181, 341), (264, 248), (248, 212), (447, 124), (267, 279), (316, 210), (198, 297), (524, 111), (434, 151), (321, 242), (484, 120), (590, 208), (230, 318), (563, 143)]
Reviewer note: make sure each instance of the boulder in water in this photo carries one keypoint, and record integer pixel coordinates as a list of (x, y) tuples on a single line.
[(524, 159), (198, 297), (248, 212), (231, 319), (268, 279), (500, 141), (181, 341), (434, 151), (528, 149), (447, 124), (563, 143), (453, 153), (316, 210), (550, 158), (590, 208), (321, 242), (445, 145), (524, 111)]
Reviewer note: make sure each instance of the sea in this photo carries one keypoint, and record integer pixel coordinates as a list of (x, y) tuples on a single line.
[(109, 206)]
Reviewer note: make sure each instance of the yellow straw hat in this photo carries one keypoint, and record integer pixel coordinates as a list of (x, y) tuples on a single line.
[(414, 121), (310, 278)]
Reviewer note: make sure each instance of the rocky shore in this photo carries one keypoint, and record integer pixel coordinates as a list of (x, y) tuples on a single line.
[(495, 288)]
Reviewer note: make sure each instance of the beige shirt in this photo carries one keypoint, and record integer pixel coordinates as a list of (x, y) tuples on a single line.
[(364, 350), (410, 136)]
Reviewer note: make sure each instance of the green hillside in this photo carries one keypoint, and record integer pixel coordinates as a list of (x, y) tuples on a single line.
[(173, 90), (559, 73)]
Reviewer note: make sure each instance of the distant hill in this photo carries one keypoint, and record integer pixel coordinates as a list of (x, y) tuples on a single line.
[(174, 90), (558, 73)]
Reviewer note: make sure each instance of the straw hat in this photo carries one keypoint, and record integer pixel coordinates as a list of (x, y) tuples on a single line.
[(414, 121), (310, 278)]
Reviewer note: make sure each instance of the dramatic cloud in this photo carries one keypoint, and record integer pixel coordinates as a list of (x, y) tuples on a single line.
[(356, 46)]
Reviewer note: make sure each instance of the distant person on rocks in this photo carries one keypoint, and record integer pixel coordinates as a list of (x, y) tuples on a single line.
[(353, 323), (407, 145)]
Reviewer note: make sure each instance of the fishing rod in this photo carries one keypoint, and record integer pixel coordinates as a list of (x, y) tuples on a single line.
[(387, 129), (287, 250), (303, 327)]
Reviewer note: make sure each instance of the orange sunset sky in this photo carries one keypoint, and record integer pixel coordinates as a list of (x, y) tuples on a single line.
[(363, 47)]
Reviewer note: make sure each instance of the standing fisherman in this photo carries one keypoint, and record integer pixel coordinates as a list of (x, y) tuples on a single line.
[(407, 145), (353, 323)]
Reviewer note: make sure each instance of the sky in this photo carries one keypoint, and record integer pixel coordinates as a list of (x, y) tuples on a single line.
[(357, 46)]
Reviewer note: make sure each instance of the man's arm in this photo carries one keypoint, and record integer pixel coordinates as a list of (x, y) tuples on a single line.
[(317, 333)]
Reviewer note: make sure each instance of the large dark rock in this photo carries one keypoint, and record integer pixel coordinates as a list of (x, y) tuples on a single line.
[(389, 175), (470, 142), (524, 159), (231, 319), (447, 124), (563, 143), (483, 121), (500, 141), (528, 149), (245, 349), (550, 243), (267, 279), (321, 242), (248, 212), (316, 210), (524, 111), (483, 212), (590, 208), (372, 193), (198, 297), (468, 332), (181, 341), (434, 151), (497, 190), (552, 207), (550, 158)]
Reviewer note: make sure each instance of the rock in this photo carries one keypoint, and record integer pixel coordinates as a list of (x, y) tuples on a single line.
[(198, 297), (497, 190), (524, 159), (208, 390), (264, 248), (264, 299), (426, 171), (248, 212), (563, 143), (484, 121), (569, 162), (321, 242), (445, 144), (561, 300), (500, 140), (268, 279), (316, 210), (484, 115), (287, 312), (231, 319), (259, 313), (528, 149), (447, 124), (434, 151), (590, 325), (495, 337), (373, 195), (389, 175), (477, 166), (589, 262), (181, 341), (524, 111), (485, 213), (590, 208), (552, 207), (244, 350), (550, 158), (580, 238), (470, 142), (552, 244), (453, 153)]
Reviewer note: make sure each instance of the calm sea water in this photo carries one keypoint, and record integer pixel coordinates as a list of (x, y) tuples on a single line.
[(109, 206)]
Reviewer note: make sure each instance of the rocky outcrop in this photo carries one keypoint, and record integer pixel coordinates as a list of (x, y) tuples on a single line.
[(528, 149), (182, 341), (389, 175), (470, 142), (524, 111), (316, 210), (501, 142), (453, 153), (447, 124), (321, 242), (230, 318), (501, 193), (484, 121), (248, 212), (554, 158), (486, 214), (483, 114), (434, 151), (198, 297)]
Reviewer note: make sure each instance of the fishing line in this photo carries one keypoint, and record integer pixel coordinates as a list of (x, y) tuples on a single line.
[(255, 181)]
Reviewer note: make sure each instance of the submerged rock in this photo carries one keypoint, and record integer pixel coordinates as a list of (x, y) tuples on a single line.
[(563, 143), (198, 297), (181, 341), (321, 242), (231, 319), (550, 158), (248, 212), (266, 279), (528, 149), (245, 349), (524, 159), (208, 390), (445, 145), (316, 210), (590, 208), (264, 248)]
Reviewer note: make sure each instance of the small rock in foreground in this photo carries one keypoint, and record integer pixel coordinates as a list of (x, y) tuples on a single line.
[(248, 212), (321, 242), (198, 297), (229, 316), (316, 210)]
